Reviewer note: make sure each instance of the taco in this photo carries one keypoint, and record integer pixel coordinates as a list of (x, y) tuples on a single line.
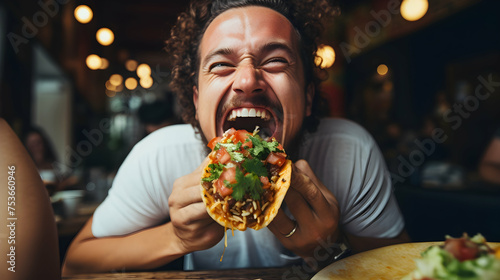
[(246, 180)]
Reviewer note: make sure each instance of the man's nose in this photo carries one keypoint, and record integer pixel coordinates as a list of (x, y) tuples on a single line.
[(248, 80)]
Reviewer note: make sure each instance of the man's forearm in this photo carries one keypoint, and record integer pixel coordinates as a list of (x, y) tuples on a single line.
[(145, 249)]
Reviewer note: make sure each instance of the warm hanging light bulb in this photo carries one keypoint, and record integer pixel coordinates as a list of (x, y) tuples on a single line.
[(93, 62), (146, 82), (325, 56), (413, 10), (105, 36), (143, 70), (83, 14), (130, 83), (109, 86), (131, 65), (116, 79), (382, 69)]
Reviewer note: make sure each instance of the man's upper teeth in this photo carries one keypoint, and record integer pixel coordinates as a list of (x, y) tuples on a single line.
[(248, 113)]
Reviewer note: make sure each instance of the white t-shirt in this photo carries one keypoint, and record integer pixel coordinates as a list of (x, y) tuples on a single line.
[(341, 153)]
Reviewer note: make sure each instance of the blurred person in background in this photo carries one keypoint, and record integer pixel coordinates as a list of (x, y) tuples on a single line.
[(42, 152), (40, 148), (489, 167)]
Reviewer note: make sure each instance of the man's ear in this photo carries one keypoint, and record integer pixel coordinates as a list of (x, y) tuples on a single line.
[(309, 99), (195, 100)]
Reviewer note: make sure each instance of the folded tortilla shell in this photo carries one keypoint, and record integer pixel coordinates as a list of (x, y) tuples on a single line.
[(215, 211)]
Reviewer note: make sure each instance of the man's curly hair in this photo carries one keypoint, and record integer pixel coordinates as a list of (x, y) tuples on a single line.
[(182, 47)]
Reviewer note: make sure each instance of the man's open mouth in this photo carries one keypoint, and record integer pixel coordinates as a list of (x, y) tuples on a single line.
[(249, 118)]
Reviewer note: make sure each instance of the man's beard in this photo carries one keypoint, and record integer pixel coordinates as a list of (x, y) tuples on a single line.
[(293, 149)]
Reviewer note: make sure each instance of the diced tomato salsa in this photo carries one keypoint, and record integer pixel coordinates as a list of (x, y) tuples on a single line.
[(223, 156)]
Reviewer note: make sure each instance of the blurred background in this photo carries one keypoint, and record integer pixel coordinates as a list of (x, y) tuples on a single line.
[(82, 81)]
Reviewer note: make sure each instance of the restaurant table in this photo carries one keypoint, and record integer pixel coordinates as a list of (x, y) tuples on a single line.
[(236, 274)]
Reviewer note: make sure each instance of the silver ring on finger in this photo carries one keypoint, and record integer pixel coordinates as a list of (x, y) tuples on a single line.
[(293, 230)]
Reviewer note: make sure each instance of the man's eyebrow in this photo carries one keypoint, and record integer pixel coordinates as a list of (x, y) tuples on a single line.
[(272, 46), (217, 52), (269, 47)]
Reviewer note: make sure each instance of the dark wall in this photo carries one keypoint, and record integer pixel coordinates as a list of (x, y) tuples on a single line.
[(15, 92)]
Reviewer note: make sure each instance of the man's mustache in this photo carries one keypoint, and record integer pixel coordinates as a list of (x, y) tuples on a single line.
[(259, 100)]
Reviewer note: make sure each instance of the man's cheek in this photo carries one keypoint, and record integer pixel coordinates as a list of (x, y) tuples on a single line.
[(207, 119)]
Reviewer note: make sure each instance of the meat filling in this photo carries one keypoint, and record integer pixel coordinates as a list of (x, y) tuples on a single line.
[(247, 211)]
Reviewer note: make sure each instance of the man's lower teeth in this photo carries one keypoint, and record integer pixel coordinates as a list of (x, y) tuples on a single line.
[(232, 118)]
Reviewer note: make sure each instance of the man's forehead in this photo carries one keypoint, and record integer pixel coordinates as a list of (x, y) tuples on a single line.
[(251, 25)]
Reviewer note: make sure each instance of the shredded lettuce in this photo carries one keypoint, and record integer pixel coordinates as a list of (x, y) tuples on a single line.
[(232, 149), (437, 263)]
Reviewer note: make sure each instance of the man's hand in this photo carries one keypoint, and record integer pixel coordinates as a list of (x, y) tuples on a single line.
[(195, 229), (316, 212)]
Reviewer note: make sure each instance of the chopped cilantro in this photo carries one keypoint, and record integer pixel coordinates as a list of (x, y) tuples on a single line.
[(215, 172), (254, 185), (255, 166), (261, 148), (246, 184)]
